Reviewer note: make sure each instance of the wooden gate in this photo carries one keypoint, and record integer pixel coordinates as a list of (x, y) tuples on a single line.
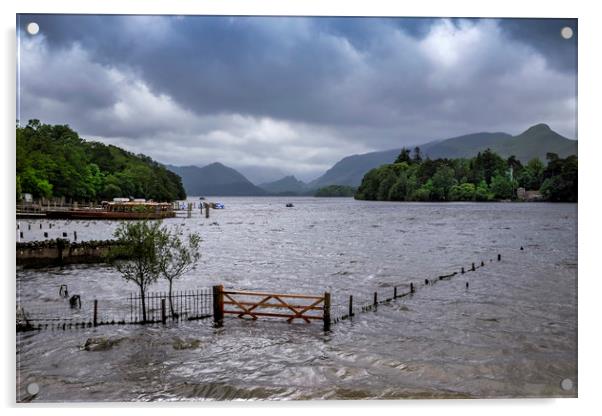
[(256, 304)]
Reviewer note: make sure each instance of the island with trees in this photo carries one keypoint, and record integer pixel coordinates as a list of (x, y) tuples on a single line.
[(485, 177)]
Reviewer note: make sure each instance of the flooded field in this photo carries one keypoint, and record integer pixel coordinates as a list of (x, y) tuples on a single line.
[(512, 333)]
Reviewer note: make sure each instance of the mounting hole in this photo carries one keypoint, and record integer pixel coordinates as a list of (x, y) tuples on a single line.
[(566, 32), (566, 384), (33, 28), (33, 388)]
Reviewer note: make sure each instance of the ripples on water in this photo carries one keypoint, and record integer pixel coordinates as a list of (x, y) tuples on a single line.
[(513, 333)]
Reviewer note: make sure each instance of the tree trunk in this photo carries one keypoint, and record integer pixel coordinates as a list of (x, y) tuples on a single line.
[(143, 299), (173, 313)]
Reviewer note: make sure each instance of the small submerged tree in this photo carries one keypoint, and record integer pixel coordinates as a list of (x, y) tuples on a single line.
[(136, 256), (146, 251), (177, 256)]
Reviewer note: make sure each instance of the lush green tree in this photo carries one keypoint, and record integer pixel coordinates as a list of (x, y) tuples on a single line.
[(368, 189), (137, 256), (443, 181), (404, 156), (561, 181), (482, 192), (488, 164), (385, 185), (462, 192), (531, 176), (177, 256), (502, 187), (399, 190), (424, 192)]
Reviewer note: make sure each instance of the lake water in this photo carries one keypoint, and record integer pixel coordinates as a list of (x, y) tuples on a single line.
[(512, 333)]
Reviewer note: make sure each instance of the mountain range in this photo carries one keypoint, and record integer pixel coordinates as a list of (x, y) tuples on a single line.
[(217, 179)]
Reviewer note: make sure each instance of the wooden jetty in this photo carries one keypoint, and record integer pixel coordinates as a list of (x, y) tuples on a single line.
[(115, 210)]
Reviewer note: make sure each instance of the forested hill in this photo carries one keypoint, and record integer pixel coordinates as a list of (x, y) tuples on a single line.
[(53, 161), (485, 177), (535, 142)]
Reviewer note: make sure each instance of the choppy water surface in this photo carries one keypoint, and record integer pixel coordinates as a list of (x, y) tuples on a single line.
[(512, 333)]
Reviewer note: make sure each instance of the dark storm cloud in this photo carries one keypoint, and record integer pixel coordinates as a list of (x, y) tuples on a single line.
[(296, 91), (543, 35)]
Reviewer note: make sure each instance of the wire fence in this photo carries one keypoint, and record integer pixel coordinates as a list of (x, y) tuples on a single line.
[(158, 307)]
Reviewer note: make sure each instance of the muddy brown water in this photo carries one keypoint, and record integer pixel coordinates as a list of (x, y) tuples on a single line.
[(512, 333)]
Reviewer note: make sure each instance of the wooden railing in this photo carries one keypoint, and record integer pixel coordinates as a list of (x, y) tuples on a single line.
[(276, 305)]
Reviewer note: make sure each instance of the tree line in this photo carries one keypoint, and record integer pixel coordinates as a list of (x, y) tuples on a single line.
[(53, 161), (335, 190), (485, 177)]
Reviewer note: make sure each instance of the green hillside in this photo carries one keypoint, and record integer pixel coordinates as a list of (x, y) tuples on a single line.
[(535, 142), (53, 161)]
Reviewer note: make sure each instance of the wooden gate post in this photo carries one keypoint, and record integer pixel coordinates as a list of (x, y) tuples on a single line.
[(218, 306), (95, 317), (163, 314), (326, 316)]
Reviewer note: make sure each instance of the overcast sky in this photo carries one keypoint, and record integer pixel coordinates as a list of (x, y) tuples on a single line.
[(296, 94)]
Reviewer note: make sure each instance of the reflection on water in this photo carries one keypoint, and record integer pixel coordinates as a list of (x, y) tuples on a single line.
[(512, 333)]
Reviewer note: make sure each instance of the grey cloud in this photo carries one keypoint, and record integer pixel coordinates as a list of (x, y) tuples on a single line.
[(189, 89)]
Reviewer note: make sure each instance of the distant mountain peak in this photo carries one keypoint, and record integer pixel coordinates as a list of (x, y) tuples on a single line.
[(215, 179), (217, 164), (538, 128), (289, 184)]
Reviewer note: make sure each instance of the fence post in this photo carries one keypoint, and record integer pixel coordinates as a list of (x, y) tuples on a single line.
[(473, 269), (395, 292), (163, 315), (411, 287), (95, 318), (375, 298), (326, 315), (350, 306), (218, 306), (499, 257)]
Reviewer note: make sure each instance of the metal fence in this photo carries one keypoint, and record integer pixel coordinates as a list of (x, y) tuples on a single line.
[(185, 305)]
